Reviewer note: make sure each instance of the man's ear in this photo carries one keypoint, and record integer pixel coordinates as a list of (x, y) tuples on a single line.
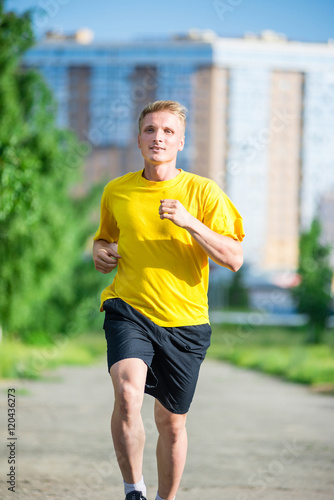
[(138, 141), (181, 146)]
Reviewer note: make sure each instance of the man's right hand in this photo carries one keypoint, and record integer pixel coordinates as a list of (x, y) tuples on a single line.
[(105, 256)]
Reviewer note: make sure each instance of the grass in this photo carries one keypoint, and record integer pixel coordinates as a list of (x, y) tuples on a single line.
[(273, 350), (22, 360), (277, 351)]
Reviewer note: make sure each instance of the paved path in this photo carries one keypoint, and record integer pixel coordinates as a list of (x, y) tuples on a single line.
[(251, 437)]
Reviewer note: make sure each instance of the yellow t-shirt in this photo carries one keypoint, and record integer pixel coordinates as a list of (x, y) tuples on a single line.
[(163, 272)]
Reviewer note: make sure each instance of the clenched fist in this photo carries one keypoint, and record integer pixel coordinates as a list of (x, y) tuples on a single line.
[(105, 256), (175, 211)]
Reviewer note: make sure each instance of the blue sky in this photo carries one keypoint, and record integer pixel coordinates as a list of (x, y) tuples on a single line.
[(123, 20)]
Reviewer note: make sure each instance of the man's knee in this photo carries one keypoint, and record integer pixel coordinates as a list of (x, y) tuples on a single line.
[(169, 424), (128, 399)]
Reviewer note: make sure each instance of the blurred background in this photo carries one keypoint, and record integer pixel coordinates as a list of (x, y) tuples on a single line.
[(257, 79)]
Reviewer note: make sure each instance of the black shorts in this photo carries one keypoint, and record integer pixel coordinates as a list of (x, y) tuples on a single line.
[(173, 354)]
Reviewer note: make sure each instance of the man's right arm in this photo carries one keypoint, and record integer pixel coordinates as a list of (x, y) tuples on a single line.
[(105, 256)]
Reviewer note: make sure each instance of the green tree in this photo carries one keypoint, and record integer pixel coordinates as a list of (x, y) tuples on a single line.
[(313, 294), (237, 292), (43, 230)]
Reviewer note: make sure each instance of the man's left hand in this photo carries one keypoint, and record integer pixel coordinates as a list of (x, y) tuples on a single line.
[(175, 211)]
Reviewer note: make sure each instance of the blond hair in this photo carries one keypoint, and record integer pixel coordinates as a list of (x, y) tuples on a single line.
[(172, 106)]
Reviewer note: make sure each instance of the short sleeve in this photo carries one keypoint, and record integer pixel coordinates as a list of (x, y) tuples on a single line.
[(108, 229), (221, 215)]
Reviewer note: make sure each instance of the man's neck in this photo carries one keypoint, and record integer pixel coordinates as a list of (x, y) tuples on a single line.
[(159, 173)]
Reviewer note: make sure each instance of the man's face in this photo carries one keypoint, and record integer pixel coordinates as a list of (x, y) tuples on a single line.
[(161, 137)]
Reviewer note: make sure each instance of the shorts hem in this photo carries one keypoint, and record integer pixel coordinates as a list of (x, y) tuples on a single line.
[(126, 357), (169, 408)]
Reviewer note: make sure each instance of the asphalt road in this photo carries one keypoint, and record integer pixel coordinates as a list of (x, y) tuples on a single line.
[(251, 437)]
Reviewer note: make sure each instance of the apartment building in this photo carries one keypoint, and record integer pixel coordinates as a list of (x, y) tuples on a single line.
[(260, 121)]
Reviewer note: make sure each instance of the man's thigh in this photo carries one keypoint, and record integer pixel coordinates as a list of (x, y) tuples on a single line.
[(128, 378)]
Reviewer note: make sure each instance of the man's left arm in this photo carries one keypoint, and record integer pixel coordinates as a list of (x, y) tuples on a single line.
[(223, 250)]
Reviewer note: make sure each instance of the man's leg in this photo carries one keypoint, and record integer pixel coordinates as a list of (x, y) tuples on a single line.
[(127, 429), (171, 450)]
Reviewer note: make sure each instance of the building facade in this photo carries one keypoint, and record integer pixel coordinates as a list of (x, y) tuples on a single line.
[(260, 120)]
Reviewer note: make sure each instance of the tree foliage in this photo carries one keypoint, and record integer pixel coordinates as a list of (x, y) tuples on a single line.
[(43, 230), (313, 294), (238, 294)]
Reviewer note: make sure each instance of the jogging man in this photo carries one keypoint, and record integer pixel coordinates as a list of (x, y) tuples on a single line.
[(159, 225)]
